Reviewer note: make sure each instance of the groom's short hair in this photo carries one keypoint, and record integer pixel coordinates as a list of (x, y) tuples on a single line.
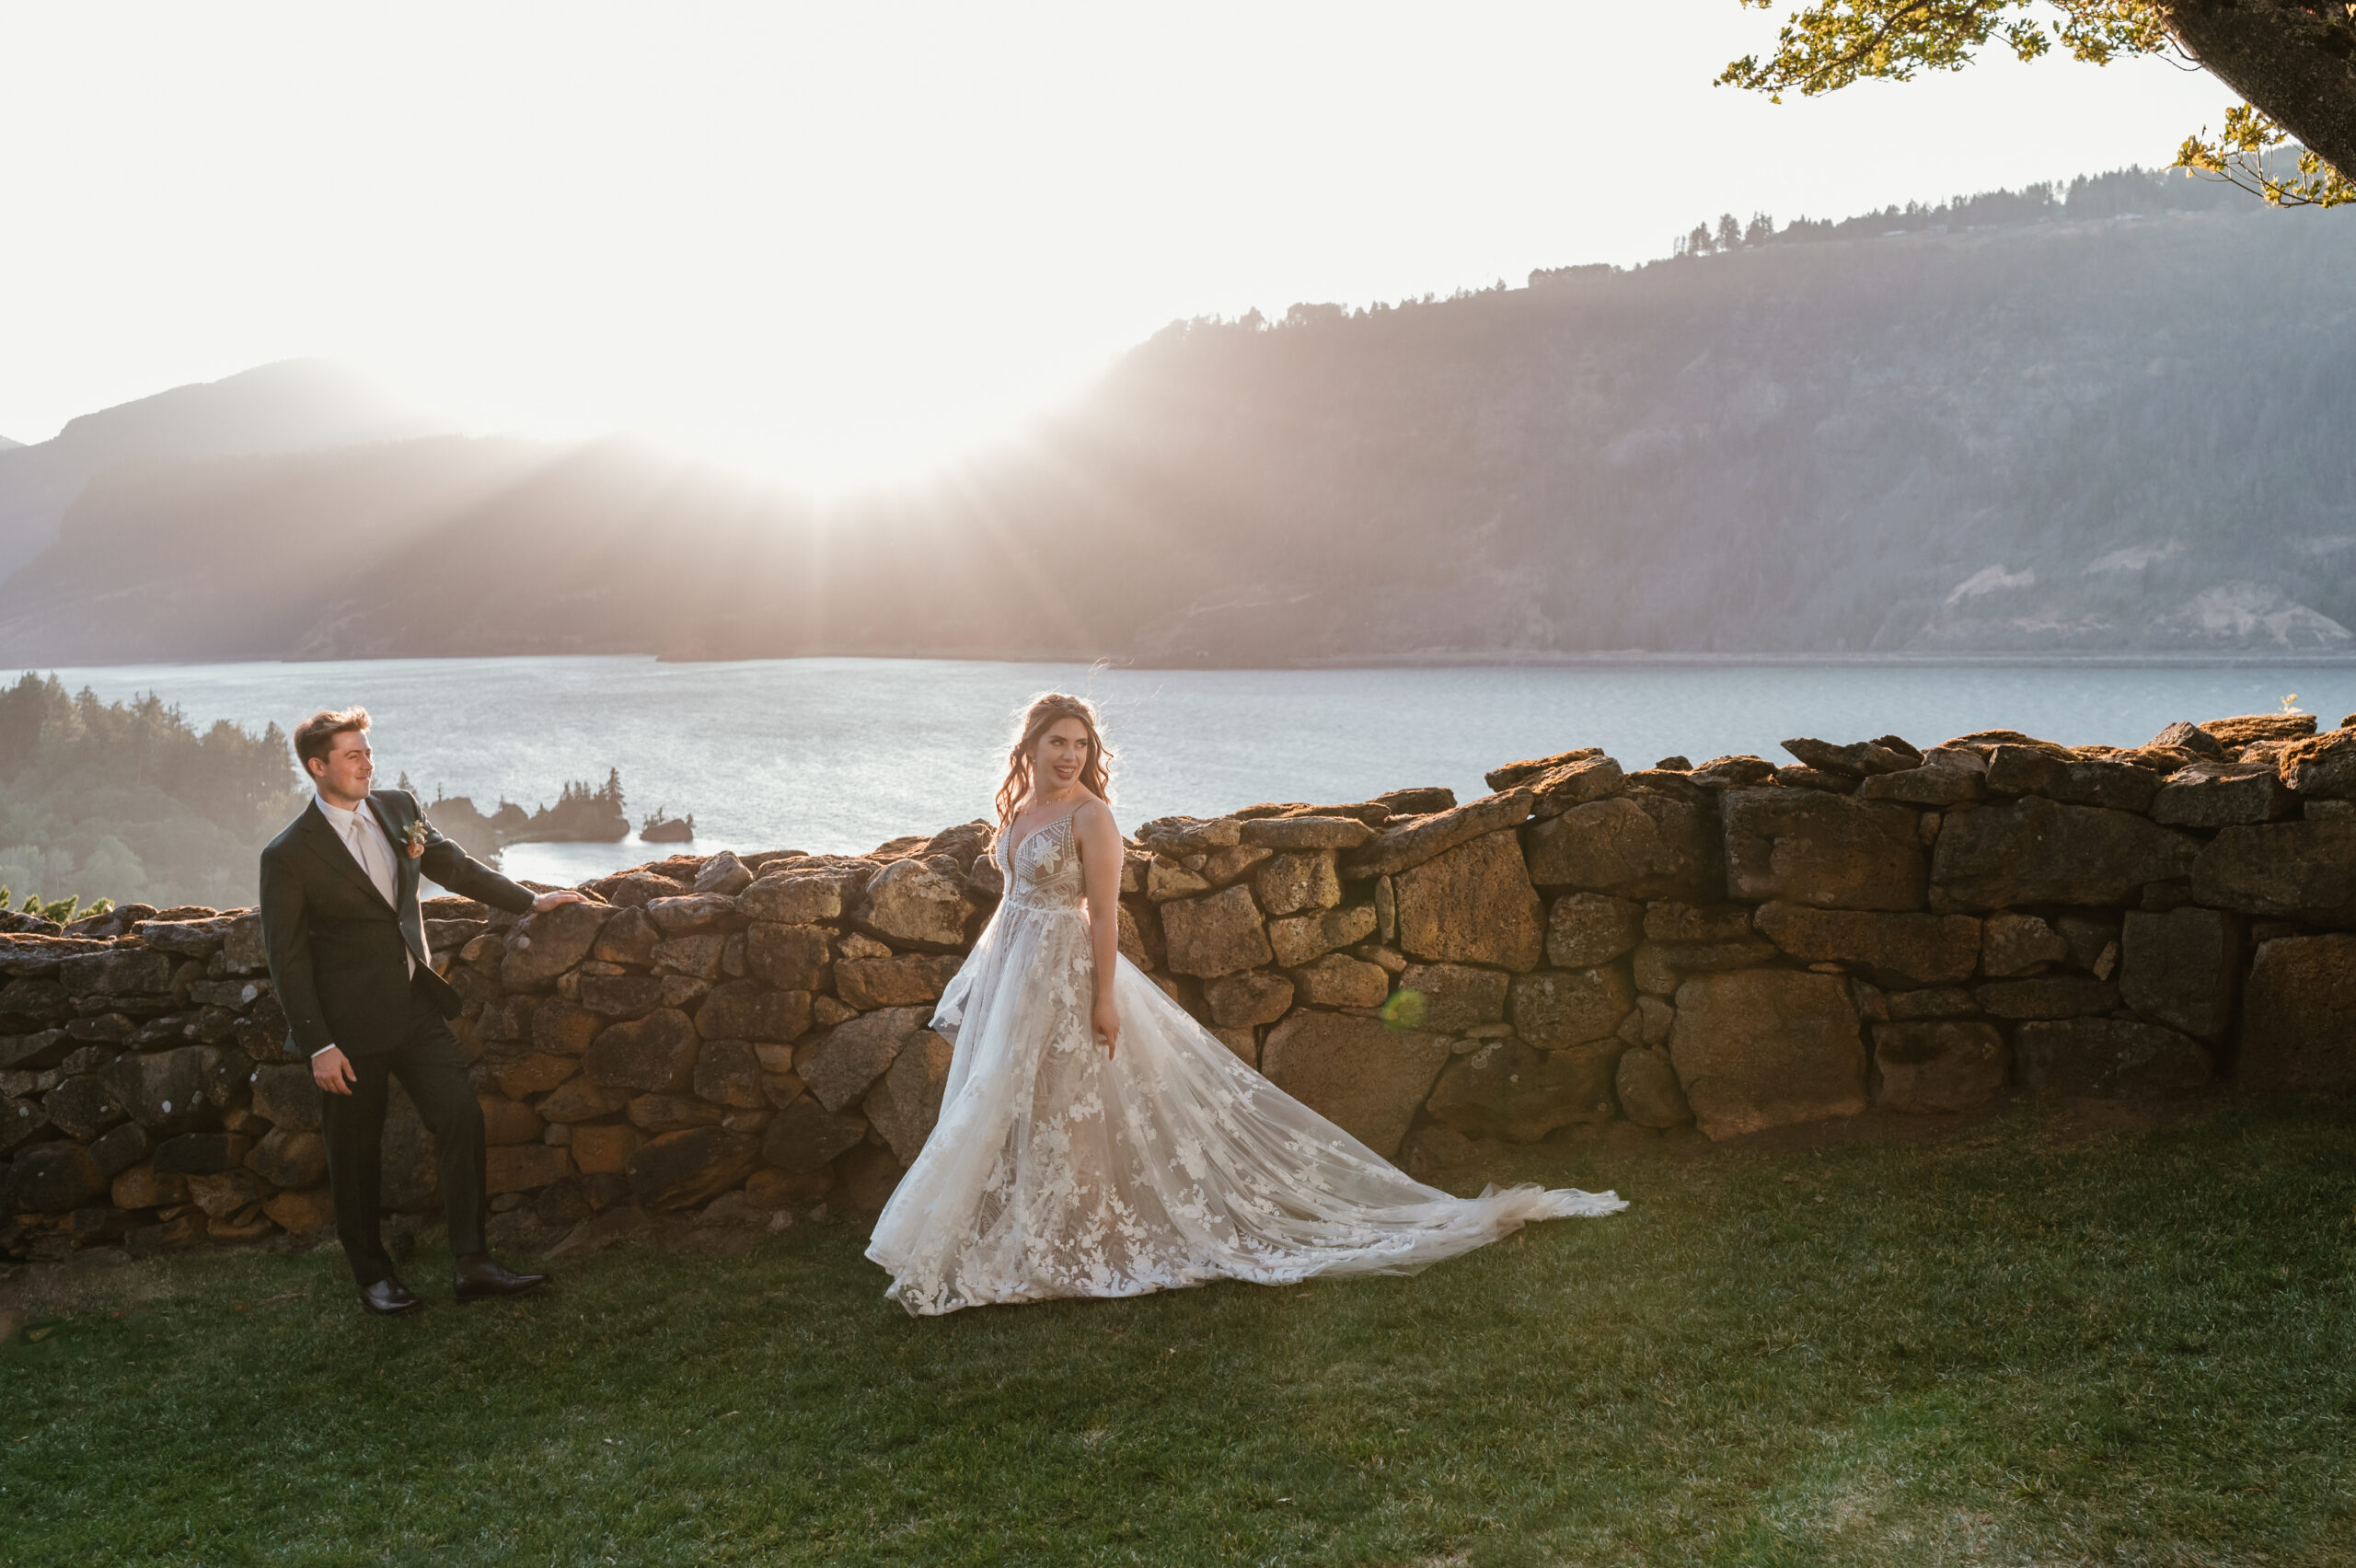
[(314, 736)]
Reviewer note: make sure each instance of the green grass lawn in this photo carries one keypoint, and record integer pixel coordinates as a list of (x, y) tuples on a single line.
[(2017, 1342)]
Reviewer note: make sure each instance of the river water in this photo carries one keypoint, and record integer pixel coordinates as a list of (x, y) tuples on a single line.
[(838, 754)]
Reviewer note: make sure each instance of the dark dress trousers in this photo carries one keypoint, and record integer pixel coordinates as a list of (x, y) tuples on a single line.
[(341, 962)]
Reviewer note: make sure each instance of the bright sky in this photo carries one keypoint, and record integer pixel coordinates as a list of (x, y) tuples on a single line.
[(837, 241)]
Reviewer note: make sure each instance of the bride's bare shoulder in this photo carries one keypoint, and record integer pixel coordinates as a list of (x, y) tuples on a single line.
[(1094, 819)]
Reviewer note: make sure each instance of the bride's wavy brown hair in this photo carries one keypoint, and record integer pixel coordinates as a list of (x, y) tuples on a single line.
[(1045, 709)]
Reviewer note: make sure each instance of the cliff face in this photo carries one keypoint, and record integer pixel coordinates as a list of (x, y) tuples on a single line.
[(1737, 945), (2075, 436)]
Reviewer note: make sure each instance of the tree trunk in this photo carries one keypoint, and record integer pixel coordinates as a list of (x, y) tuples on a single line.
[(2297, 65)]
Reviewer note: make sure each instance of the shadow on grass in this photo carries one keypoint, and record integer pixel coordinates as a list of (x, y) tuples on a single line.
[(2031, 1341)]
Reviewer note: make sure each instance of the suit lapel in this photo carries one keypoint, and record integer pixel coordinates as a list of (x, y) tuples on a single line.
[(404, 869), (329, 847)]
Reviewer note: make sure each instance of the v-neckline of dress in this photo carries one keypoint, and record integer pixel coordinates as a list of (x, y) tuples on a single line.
[(1020, 843)]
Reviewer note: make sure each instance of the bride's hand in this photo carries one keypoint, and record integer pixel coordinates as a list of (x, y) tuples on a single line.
[(1106, 1020)]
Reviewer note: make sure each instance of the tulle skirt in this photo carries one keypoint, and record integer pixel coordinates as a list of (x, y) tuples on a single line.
[(1057, 1171)]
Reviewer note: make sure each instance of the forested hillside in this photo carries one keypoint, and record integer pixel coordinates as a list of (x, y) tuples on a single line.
[(2107, 418), (128, 800)]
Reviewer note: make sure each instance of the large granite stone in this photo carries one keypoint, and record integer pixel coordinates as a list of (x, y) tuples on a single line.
[(746, 1009), (698, 957), (1307, 832), (1298, 880), (2108, 1058), (288, 1158), (912, 904), (1926, 949), (86, 1105), (728, 1072), (1558, 790), (119, 972), (2034, 851), (792, 958), (2299, 1018), (681, 1169), (285, 1095), (805, 1135), (168, 1091), (581, 1099), (2322, 768), (119, 1148), (628, 937), (1948, 1065), (1660, 967), (1472, 903), (1856, 759), (1764, 1047), (520, 1074), (621, 996), (1583, 929), (2011, 944), (2046, 995), (1337, 980), (1642, 844), (805, 897), (1413, 842), (1302, 939), (1255, 996), (2304, 869), (1650, 1094), (55, 1178), (840, 1064), (564, 1029), (2223, 794), (1357, 1072), (2179, 968), (1508, 1089), (524, 1167), (202, 1154), (1828, 851), (545, 945), (1555, 1009), (657, 1051), (1528, 768), (1456, 997), (898, 981), (905, 1101), (2030, 770), (1217, 934), (691, 914)]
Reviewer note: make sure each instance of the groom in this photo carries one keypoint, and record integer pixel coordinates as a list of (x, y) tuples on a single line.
[(348, 962)]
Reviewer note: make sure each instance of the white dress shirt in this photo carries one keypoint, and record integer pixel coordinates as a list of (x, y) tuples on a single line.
[(373, 848)]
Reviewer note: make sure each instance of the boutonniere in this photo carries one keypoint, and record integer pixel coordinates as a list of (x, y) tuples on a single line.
[(415, 838)]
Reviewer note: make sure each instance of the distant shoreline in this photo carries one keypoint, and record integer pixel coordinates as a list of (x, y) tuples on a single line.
[(1503, 658)]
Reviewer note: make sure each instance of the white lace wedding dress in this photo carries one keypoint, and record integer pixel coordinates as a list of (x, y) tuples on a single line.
[(1056, 1171)]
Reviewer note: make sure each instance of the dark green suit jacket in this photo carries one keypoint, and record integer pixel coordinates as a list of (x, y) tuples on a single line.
[(338, 953)]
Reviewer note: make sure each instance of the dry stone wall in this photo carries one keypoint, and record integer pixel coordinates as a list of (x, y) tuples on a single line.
[(1738, 945)]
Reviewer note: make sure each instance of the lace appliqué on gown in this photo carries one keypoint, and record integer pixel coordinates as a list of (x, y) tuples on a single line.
[(1054, 1172)]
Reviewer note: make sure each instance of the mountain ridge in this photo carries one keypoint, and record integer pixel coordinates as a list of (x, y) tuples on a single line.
[(2077, 435), (286, 405)]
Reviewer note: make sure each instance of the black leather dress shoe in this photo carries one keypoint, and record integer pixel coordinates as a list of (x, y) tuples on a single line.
[(479, 1275), (388, 1297)]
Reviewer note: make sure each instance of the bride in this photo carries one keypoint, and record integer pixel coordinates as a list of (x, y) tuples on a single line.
[(1094, 1139)]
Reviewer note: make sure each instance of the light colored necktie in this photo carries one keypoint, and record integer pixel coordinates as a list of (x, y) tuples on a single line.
[(375, 859)]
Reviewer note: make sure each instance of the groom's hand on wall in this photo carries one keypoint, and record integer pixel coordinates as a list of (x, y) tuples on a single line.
[(548, 900), (331, 1071)]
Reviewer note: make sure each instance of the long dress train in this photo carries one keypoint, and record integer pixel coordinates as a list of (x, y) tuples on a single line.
[(1056, 1171)]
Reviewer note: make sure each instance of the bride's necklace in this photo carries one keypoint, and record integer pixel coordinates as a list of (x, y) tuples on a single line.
[(1034, 803)]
